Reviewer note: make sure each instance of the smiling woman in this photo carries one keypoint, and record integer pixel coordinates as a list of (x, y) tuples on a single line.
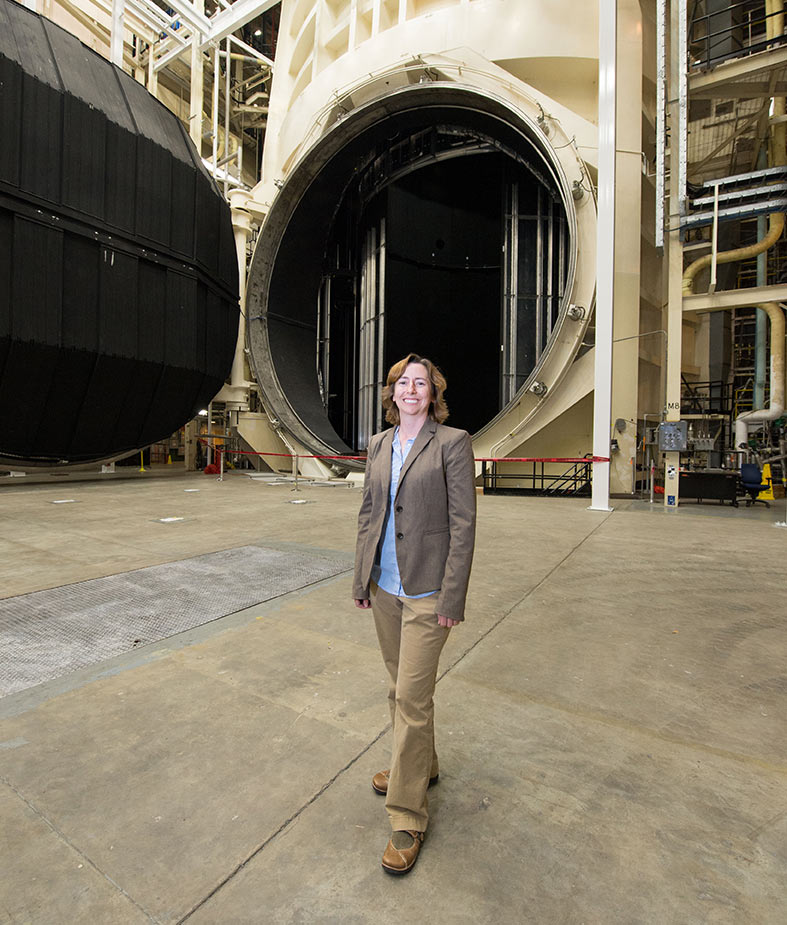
[(415, 387), (416, 532), (412, 391)]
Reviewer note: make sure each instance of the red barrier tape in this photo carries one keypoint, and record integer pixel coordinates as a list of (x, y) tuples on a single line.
[(555, 459), (549, 459)]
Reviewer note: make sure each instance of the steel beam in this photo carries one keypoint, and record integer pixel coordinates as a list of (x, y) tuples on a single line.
[(163, 61), (725, 80), (734, 298), (191, 15), (263, 59), (743, 91), (229, 20), (146, 28), (765, 173), (764, 207)]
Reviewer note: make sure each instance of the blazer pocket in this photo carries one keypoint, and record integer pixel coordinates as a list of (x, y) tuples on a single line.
[(436, 532)]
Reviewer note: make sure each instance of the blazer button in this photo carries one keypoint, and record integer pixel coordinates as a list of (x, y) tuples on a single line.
[(399, 508), (400, 536)]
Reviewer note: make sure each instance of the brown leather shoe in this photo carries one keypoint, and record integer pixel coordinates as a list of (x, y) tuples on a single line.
[(402, 860), (380, 781)]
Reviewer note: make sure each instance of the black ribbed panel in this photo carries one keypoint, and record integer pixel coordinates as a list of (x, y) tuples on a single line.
[(120, 185), (118, 274)]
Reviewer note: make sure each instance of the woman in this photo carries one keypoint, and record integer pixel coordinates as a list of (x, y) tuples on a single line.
[(416, 531)]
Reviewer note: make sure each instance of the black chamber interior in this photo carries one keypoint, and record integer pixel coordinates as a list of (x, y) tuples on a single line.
[(442, 285), (444, 226)]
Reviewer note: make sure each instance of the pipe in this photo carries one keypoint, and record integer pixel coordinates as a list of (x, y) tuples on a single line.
[(776, 409), (774, 11), (775, 229), (237, 56), (761, 321)]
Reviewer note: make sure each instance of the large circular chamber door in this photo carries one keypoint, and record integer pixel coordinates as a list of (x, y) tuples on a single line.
[(436, 219)]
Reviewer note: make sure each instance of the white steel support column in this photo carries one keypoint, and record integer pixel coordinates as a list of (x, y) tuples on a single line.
[(118, 29), (241, 225), (661, 116), (152, 73), (628, 247), (605, 261), (227, 75), (215, 113), (197, 88), (678, 105)]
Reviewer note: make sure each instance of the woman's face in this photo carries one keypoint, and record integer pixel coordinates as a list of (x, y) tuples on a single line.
[(412, 393)]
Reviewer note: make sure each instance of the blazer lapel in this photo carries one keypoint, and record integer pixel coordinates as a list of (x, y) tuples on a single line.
[(425, 434), (384, 456)]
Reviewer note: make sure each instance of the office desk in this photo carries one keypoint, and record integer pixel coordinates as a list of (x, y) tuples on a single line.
[(709, 485)]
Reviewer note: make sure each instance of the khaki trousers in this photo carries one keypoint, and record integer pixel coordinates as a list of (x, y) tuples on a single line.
[(411, 642)]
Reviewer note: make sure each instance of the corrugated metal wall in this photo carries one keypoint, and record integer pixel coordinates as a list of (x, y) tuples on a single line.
[(118, 273)]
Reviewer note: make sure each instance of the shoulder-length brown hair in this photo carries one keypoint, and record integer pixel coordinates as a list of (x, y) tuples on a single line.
[(438, 410)]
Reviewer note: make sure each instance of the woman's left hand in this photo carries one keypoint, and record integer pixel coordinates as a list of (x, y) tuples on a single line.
[(446, 621)]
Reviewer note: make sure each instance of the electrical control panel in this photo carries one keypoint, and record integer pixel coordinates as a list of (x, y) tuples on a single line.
[(673, 436)]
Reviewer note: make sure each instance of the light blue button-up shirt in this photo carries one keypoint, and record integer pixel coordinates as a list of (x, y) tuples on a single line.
[(386, 569)]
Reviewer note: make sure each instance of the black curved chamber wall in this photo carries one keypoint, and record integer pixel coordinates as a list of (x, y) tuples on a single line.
[(118, 270)]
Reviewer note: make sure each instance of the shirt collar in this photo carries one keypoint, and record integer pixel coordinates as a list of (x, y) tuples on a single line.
[(397, 440)]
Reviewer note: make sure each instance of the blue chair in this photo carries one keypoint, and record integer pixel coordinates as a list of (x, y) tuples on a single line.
[(752, 484)]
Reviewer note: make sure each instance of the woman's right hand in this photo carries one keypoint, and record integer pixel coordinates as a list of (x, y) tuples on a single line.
[(363, 603)]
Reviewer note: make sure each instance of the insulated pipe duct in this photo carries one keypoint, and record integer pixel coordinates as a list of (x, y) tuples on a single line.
[(776, 409), (774, 10), (775, 229)]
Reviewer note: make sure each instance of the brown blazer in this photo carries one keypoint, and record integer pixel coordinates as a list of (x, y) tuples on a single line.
[(434, 513)]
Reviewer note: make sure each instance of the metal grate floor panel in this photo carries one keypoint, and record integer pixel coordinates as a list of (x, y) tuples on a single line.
[(46, 634)]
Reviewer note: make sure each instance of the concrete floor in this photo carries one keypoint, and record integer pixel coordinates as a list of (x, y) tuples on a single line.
[(610, 722)]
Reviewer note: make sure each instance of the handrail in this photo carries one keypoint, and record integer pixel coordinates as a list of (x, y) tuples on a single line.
[(745, 49), (572, 482)]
